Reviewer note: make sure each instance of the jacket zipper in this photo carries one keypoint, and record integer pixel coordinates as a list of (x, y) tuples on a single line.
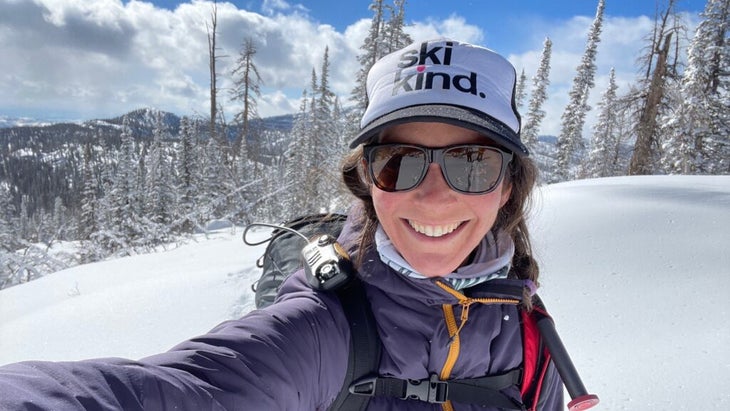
[(453, 328)]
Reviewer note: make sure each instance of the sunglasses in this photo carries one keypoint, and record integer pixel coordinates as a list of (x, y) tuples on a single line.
[(467, 169)]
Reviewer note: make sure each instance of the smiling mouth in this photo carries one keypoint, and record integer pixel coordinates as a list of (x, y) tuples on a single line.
[(434, 230)]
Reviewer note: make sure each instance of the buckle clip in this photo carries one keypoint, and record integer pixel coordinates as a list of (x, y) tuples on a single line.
[(364, 386), (432, 390)]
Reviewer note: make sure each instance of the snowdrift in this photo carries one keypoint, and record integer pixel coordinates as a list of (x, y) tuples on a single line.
[(635, 271)]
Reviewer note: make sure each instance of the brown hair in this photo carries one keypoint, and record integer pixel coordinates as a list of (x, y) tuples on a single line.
[(521, 175)]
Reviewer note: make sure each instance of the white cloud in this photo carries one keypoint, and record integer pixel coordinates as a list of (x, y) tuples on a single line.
[(622, 41), (454, 27), (272, 7), (105, 57)]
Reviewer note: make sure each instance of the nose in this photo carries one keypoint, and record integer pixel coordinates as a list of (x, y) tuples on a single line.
[(434, 186)]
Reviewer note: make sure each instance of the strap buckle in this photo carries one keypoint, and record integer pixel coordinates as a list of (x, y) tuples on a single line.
[(364, 386), (432, 390)]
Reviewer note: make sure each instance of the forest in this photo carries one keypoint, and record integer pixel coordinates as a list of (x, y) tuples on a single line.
[(148, 179)]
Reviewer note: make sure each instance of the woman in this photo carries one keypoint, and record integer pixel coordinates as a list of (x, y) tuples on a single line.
[(443, 180)]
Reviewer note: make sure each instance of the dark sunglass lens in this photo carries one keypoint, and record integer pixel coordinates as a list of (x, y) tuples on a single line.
[(397, 168), (473, 169)]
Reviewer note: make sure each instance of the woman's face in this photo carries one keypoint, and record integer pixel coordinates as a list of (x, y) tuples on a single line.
[(434, 227)]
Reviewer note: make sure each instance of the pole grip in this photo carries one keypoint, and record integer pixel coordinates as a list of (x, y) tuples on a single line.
[(581, 400)]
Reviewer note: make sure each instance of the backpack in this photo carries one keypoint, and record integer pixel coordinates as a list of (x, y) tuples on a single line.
[(286, 253), (282, 256)]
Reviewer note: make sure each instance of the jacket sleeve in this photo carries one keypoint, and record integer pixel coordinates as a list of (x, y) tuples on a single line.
[(289, 356)]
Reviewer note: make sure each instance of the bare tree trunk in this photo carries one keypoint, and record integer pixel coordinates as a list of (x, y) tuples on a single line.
[(211, 64), (641, 159)]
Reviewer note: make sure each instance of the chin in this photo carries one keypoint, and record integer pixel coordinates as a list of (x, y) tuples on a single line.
[(434, 270)]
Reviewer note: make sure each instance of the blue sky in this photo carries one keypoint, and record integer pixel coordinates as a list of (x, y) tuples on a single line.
[(80, 60), (504, 22)]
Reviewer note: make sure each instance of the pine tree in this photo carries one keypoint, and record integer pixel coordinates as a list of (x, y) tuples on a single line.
[(87, 222), (602, 159), (60, 224), (188, 172), (520, 89), (540, 82), (12, 263), (24, 221), (571, 146), (246, 87), (384, 37), (372, 51), (697, 132), (340, 198), (395, 37), (248, 171), (8, 235), (8, 239), (310, 140), (213, 195), (296, 160), (160, 197), (323, 110), (327, 139), (118, 223)]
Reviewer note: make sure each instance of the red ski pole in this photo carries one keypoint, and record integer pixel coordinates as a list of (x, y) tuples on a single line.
[(581, 400)]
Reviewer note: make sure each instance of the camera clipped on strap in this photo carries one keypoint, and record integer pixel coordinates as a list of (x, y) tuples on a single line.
[(326, 263)]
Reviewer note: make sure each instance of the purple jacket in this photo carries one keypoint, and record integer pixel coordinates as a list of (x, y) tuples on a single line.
[(293, 354)]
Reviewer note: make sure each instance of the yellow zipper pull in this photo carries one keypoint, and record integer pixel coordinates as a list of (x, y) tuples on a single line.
[(465, 304)]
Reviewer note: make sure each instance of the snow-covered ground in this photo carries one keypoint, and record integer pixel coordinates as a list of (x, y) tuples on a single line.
[(635, 270)]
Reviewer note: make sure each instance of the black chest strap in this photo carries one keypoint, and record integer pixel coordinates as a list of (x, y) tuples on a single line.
[(483, 391), (362, 383), (365, 346)]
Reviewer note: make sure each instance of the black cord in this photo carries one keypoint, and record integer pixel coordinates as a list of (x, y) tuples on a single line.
[(274, 226)]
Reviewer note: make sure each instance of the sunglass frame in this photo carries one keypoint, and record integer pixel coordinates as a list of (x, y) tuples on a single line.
[(436, 155)]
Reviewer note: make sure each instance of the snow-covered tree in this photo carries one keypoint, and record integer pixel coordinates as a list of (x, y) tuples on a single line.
[(60, 223), (188, 171), (660, 79), (327, 139), (395, 37), (538, 96), (521, 89), (371, 52), (8, 242), (602, 158), (246, 87), (160, 196), (8, 235), (212, 195), (384, 36), (697, 132), (296, 161), (119, 224), (89, 202), (571, 146)]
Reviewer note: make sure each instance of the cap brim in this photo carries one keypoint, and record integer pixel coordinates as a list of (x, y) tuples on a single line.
[(440, 113)]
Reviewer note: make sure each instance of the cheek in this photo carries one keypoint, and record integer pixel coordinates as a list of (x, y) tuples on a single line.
[(486, 208), (383, 202), (506, 192)]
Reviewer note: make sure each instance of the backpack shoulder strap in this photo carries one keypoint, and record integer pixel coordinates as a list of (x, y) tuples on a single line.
[(536, 355), (364, 357)]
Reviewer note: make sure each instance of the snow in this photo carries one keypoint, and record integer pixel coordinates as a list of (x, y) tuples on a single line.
[(635, 271)]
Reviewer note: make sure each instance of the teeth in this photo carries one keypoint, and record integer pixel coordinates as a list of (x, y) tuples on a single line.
[(433, 230)]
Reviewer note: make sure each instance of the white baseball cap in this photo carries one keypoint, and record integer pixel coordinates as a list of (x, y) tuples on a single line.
[(444, 81)]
